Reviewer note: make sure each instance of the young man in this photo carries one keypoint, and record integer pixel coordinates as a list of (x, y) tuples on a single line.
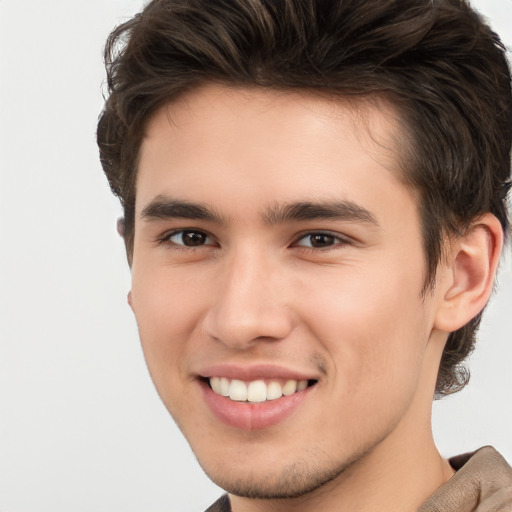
[(315, 206)]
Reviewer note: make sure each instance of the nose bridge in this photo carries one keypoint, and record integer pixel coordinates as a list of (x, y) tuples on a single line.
[(251, 305)]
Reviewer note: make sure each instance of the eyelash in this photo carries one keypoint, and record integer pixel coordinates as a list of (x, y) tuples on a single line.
[(166, 239), (338, 240)]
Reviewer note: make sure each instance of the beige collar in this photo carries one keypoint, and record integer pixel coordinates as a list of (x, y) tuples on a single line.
[(482, 483)]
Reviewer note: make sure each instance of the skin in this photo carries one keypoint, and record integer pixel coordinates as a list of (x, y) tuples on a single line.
[(348, 313)]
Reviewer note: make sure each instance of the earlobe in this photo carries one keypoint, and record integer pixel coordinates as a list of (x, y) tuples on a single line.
[(130, 302), (472, 263)]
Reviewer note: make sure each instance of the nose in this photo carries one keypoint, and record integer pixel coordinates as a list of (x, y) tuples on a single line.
[(251, 304)]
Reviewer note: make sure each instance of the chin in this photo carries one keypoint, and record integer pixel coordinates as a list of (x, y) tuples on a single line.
[(294, 480)]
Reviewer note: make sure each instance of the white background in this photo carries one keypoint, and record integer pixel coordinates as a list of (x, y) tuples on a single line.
[(81, 428)]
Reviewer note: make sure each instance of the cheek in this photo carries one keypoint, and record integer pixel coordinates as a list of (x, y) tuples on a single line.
[(373, 325), (165, 302), (375, 340), (166, 310)]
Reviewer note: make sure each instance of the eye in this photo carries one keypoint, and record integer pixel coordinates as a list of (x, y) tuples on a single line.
[(189, 238), (320, 240)]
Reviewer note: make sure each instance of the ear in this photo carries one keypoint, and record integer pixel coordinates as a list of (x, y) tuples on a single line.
[(468, 277), (128, 241), (130, 301), (121, 226)]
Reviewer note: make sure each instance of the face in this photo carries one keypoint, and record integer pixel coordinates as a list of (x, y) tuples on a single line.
[(277, 276)]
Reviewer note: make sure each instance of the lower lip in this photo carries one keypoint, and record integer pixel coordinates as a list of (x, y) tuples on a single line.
[(252, 416)]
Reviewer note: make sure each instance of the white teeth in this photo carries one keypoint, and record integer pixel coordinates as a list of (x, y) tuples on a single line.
[(255, 391), (290, 387), (224, 386), (274, 391), (238, 391), (215, 384), (302, 385)]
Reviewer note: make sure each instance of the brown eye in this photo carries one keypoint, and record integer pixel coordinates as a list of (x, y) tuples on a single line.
[(320, 240), (190, 238)]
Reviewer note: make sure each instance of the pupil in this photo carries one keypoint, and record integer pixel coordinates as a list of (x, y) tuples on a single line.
[(321, 240), (192, 238)]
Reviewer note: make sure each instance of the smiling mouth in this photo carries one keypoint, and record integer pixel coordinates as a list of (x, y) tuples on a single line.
[(256, 391)]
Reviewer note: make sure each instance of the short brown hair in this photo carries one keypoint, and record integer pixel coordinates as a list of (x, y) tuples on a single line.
[(437, 61)]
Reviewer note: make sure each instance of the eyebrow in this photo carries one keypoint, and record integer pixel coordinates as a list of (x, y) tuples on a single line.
[(163, 207), (332, 210)]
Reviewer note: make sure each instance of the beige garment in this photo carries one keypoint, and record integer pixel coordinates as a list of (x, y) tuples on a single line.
[(482, 483)]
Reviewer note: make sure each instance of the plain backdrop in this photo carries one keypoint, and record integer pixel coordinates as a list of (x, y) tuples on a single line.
[(81, 427)]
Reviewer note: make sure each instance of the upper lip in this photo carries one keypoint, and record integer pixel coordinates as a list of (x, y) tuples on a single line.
[(252, 372)]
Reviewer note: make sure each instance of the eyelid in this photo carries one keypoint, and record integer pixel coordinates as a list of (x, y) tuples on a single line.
[(340, 239), (165, 238)]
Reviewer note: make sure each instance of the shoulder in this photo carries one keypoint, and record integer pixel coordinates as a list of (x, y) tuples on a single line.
[(483, 482), (221, 505)]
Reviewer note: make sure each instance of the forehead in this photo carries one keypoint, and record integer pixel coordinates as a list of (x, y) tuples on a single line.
[(278, 145)]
